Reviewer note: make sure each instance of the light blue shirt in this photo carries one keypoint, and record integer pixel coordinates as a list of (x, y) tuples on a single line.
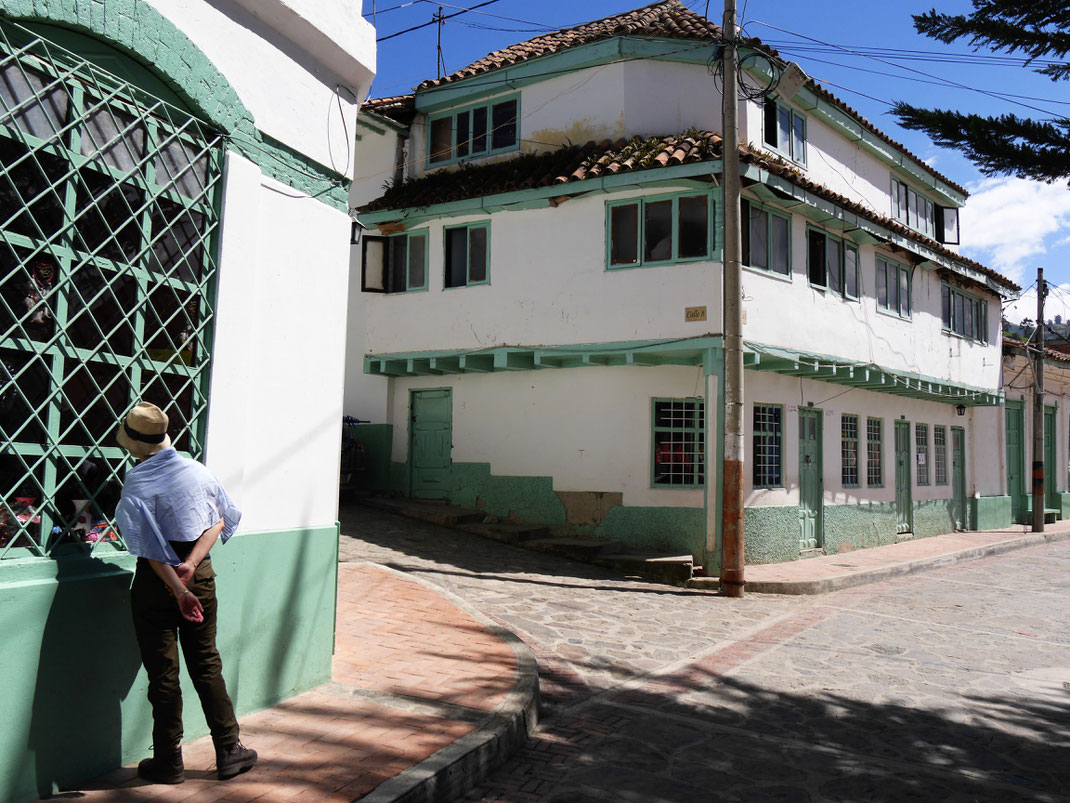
[(168, 497)]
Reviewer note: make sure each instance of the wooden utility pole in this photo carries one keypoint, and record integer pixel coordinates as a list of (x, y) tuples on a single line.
[(441, 62), (732, 477), (1038, 409)]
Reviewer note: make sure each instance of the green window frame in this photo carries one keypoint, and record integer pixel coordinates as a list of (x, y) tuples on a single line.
[(832, 263), (874, 452), (466, 255), (921, 450), (940, 455), (784, 130), (912, 208), (678, 440), (395, 264), (849, 450), (768, 440), (109, 224), (483, 129), (963, 314), (894, 288), (659, 230), (765, 238)]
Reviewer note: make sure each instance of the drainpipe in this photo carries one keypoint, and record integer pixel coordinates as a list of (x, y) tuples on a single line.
[(732, 498)]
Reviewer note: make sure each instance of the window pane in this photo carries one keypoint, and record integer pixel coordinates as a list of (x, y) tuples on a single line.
[(624, 235), (849, 450), (904, 291), (179, 165), (960, 314), (477, 255), (767, 446), (816, 250), (108, 216), (770, 123), (99, 309), (657, 231), (783, 128), (28, 203), (42, 111), (24, 386), (945, 305), (694, 227), (114, 137), (968, 328), (896, 207), (882, 284), (463, 133), (399, 262), (172, 325), (417, 260), (456, 257), (479, 130), (178, 241), (99, 394), (778, 244), (441, 139), (893, 288), (679, 442), (798, 138), (832, 266), (503, 122), (759, 234), (27, 294), (850, 271)]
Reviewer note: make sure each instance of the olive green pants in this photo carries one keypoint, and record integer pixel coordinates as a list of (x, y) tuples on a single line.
[(160, 628)]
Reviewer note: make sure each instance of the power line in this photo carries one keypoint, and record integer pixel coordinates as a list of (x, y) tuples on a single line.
[(436, 20)]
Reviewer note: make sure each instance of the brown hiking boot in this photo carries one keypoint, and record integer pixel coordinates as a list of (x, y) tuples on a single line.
[(163, 767), (233, 760)]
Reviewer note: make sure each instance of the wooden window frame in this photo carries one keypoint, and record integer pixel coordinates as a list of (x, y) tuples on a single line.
[(939, 454), (468, 282), (950, 320), (697, 431), (901, 270), (760, 465), (747, 207), (874, 452), (794, 142), (468, 113), (921, 449), (843, 247), (913, 209), (385, 284), (849, 449), (640, 244)]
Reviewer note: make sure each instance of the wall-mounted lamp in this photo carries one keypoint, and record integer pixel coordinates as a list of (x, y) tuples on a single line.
[(960, 409)]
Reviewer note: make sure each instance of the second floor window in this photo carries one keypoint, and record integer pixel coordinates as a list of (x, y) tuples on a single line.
[(784, 130), (467, 254), (475, 131), (395, 264), (659, 230), (832, 263), (963, 314), (765, 237), (913, 209), (893, 287)]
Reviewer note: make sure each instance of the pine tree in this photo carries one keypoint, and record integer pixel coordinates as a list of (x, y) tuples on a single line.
[(1006, 144)]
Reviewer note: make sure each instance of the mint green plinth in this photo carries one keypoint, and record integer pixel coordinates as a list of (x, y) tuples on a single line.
[(994, 512), (74, 703)]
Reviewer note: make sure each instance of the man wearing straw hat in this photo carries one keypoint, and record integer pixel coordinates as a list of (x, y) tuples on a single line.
[(171, 513)]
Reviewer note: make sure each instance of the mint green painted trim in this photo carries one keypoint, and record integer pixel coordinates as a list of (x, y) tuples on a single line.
[(152, 40), (991, 512), (453, 113), (900, 269), (606, 51), (831, 215), (74, 703), (868, 376), (675, 530), (690, 351), (674, 259), (698, 432), (468, 227), (540, 197), (713, 365)]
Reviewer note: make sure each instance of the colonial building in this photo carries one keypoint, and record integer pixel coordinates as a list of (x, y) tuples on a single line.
[(536, 308), (173, 227)]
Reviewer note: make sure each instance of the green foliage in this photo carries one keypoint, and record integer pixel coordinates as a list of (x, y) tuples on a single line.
[(1005, 144)]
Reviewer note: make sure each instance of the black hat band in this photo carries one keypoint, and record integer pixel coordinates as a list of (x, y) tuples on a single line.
[(137, 436)]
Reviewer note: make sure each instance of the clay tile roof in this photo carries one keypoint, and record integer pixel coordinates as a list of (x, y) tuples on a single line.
[(667, 18), (576, 163), (399, 108), (1015, 345)]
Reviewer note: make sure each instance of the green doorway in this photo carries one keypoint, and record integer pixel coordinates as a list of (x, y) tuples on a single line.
[(430, 443), (1016, 461), (1049, 458), (904, 512), (958, 477), (811, 482)]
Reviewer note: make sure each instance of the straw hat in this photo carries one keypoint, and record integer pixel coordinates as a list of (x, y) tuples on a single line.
[(144, 430)]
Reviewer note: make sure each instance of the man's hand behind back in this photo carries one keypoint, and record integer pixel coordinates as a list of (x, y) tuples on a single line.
[(191, 607)]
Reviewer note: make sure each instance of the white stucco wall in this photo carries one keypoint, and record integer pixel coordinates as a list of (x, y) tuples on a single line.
[(548, 285), (293, 94), (588, 428)]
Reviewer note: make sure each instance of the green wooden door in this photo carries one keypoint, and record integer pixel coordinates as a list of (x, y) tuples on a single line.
[(1016, 461), (811, 484), (430, 443), (958, 477), (904, 514), (1049, 457)]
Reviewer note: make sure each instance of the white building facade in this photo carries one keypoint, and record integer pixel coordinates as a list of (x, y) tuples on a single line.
[(174, 225), (539, 323)]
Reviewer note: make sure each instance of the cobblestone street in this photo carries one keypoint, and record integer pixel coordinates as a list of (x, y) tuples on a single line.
[(952, 684)]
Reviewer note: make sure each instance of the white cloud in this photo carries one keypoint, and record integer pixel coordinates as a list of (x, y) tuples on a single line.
[(1056, 303), (1008, 220)]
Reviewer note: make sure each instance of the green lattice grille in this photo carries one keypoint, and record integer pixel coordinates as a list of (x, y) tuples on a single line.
[(108, 222)]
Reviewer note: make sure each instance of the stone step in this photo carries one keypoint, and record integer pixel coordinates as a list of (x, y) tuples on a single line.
[(676, 569), (507, 533), (432, 511), (582, 549)]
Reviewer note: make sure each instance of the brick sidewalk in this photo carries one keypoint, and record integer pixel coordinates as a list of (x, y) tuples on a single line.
[(413, 673)]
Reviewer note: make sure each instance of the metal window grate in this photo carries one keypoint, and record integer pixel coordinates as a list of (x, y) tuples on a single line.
[(768, 439), (874, 447), (940, 455), (849, 450), (921, 448), (108, 220), (679, 439)]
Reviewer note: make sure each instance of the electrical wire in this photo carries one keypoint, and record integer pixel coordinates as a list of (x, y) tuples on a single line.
[(435, 20)]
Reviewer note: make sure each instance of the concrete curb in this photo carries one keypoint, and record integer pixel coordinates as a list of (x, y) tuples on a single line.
[(864, 576), (449, 773)]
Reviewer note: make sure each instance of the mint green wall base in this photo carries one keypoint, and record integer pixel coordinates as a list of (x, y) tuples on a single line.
[(679, 530), (1064, 503), (992, 512), (521, 498), (74, 703)]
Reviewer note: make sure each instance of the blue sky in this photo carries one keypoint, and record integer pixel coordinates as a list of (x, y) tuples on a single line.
[(868, 58)]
